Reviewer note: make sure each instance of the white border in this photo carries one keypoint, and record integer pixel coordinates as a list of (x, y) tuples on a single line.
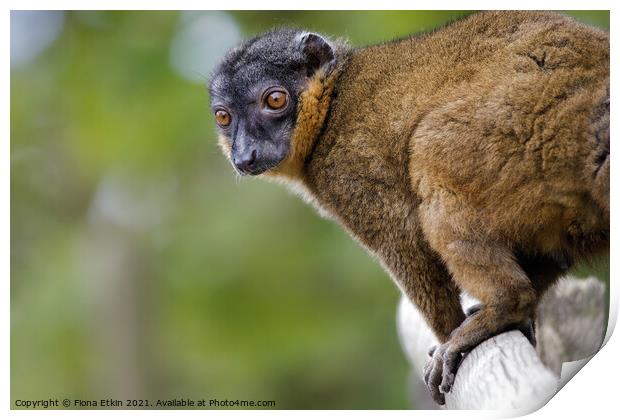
[(307, 5), (591, 393)]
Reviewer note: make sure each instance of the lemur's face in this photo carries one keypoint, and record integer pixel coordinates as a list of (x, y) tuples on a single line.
[(255, 92), (256, 115)]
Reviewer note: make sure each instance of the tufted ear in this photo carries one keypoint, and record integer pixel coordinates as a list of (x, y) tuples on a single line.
[(319, 53)]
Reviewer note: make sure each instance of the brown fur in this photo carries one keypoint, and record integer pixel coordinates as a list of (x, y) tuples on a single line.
[(474, 158)]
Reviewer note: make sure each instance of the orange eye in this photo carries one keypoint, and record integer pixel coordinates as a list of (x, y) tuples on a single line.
[(276, 100), (222, 118)]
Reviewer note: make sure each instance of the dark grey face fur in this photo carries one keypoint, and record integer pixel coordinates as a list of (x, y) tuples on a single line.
[(255, 92)]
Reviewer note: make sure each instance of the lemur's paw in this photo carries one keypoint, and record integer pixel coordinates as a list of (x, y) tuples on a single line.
[(440, 371), (527, 327)]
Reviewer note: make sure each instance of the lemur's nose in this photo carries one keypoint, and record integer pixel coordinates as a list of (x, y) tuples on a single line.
[(245, 162)]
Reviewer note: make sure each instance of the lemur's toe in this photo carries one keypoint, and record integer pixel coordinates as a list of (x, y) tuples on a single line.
[(433, 374), (431, 350), (451, 362), (473, 309)]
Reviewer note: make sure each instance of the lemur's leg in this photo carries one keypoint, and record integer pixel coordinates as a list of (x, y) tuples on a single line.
[(490, 273), (430, 287)]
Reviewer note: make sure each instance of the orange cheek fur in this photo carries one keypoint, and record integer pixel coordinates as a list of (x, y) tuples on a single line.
[(312, 109)]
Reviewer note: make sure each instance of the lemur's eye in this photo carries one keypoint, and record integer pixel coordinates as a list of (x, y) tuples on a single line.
[(276, 99), (222, 118)]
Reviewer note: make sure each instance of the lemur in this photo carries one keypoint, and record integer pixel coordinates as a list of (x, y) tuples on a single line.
[(474, 158)]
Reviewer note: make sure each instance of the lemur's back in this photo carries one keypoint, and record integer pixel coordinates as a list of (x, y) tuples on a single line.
[(506, 111), (524, 144), (405, 79)]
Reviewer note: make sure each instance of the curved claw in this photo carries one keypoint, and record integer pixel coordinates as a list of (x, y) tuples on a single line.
[(528, 331)]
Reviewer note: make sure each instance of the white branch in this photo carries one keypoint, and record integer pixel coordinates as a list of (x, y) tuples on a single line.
[(505, 372)]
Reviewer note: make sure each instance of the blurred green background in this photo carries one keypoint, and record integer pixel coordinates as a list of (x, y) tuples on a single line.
[(141, 267)]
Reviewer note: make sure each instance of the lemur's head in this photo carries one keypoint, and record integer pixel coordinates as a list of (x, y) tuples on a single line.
[(269, 97)]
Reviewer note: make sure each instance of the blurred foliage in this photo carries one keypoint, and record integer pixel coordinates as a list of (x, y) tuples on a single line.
[(142, 268)]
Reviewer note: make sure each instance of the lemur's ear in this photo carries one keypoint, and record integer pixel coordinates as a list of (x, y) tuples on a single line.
[(319, 53)]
